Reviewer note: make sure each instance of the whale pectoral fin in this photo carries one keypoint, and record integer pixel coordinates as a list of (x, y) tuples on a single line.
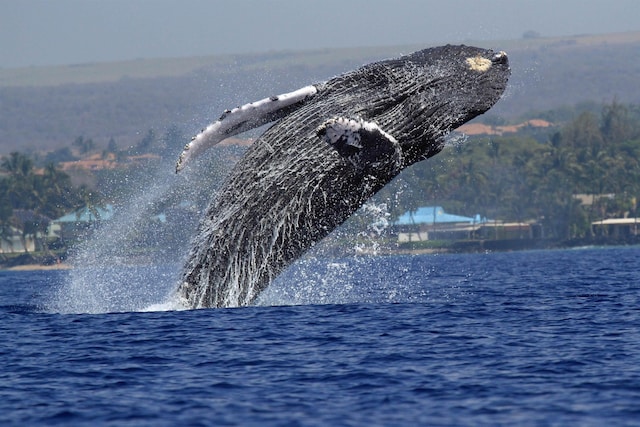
[(363, 144), (244, 118)]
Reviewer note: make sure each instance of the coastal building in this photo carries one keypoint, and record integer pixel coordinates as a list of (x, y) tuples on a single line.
[(433, 223), (77, 224), (616, 227)]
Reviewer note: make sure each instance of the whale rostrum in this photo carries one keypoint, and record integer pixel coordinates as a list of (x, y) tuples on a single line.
[(332, 146)]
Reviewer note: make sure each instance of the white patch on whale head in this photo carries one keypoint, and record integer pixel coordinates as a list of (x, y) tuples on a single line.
[(478, 63)]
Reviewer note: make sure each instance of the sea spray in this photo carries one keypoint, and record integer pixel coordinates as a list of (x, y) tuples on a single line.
[(351, 280), (377, 218), (341, 268), (110, 273), (132, 262)]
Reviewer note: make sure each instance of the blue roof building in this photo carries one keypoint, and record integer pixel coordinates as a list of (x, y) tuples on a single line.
[(432, 222), (76, 225), (435, 215), (86, 215)]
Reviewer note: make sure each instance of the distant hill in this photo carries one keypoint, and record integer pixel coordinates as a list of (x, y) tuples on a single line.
[(46, 108)]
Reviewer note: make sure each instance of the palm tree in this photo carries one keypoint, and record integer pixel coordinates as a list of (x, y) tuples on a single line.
[(58, 194), (17, 165), (6, 212)]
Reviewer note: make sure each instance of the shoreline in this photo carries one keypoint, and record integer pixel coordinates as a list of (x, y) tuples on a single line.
[(37, 267), (459, 247)]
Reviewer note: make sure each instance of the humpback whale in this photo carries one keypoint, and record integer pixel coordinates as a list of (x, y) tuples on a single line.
[(332, 146)]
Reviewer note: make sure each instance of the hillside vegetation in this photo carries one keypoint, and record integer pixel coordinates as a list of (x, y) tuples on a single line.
[(84, 136), (47, 108), (543, 175)]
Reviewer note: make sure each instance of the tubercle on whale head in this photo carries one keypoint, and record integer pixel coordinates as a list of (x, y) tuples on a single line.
[(482, 64)]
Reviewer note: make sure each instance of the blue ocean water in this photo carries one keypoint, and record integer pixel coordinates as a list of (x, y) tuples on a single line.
[(540, 338)]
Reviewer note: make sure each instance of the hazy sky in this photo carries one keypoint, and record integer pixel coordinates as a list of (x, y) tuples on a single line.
[(45, 32)]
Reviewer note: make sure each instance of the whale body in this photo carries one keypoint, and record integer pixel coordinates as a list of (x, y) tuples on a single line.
[(333, 145)]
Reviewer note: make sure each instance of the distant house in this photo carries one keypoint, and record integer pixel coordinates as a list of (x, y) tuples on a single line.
[(591, 199), (497, 230), (616, 227), (433, 223), (76, 224)]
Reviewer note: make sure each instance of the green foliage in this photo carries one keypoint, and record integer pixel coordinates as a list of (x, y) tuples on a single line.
[(60, 155), (517, 177), (146, 143), (530, 175), (83, 144), (30, 197), (48, 192), (44, 108)]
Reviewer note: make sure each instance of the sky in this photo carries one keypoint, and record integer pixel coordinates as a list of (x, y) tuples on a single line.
[(62, 32)]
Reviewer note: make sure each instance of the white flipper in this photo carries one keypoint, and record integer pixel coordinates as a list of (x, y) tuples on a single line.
[(242, 119), (362, 143)]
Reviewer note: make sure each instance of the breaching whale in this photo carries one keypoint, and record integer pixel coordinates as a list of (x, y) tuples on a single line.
[(332, 146)]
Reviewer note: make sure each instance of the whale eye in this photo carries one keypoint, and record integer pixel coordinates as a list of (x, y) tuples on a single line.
[(478, 63)]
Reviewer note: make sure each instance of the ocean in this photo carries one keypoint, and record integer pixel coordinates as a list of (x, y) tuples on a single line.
[(532, 338)]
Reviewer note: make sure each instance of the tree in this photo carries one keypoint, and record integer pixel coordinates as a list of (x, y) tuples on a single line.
[(61, 155), (84, 145), (58, 193), (6, 211), (172, 142), (616, 125), (29, 199), (112, 147), (17, 164)]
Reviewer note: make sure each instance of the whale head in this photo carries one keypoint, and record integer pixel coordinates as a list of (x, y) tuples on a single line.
[(425, 95)]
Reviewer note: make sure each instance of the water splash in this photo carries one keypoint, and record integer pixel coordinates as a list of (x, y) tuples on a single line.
[(114, 272), (342, 268), (376, 217), (106, 276), (132, 262), (351, 280), (456, 139)]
